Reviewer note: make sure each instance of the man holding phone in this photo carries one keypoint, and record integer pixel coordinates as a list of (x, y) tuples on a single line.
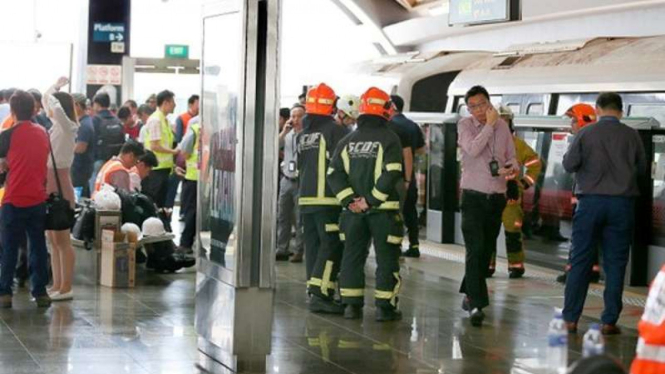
[(488, 157)]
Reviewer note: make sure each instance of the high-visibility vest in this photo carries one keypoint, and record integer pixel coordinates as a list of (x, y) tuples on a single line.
[(104, 176), (165, 160), (650, 355), (185, 118), (192, 173)]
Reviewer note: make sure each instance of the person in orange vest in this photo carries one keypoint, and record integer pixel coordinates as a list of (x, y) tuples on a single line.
[(650, 353), (115, 171), (182, 121)]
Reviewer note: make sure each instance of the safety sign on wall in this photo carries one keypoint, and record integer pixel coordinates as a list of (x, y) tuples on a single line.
[(104, 74)]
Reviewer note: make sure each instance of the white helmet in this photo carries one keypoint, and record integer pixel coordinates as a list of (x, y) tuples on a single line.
[(106, 199), (153, 227), (349, 104), (131, 227)]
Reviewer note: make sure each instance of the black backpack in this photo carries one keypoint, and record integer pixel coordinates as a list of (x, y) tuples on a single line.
[(136, 207), (111, 137)]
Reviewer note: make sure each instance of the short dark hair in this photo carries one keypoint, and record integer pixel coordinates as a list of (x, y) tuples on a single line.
[(37, 96), (124, 113), (398, 101), (134, 147), (163, 96), (302, 96), (192, 99), (67, 102), (149, 159), (145, 109), (298, 106), (2, 95), (22, 105), (102, 99), (610, 101), (131, 103), (8, 93), (476, 90), (151, 97), (285, 113)]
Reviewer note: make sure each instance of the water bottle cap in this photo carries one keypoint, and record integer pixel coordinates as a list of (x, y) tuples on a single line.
[(558, 313), (595, 326)]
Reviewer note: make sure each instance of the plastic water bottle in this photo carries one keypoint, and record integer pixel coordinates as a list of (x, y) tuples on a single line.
[(557, 348), (593, 342)]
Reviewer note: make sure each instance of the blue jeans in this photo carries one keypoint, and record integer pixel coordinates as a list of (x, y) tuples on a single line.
[(609, 221), (95, 170), (16, 223)]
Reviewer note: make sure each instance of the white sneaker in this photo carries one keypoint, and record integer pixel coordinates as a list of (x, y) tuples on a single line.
[(52, 293), (63, 296)]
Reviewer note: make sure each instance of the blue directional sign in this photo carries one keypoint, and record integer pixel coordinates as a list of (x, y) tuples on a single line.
[(108, 32)]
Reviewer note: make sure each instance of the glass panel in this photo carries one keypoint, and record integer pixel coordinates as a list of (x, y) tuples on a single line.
[(515, 108), (436, 152), (656, 111), (463, 110), (222, 59), (658, 177), (535, 109)]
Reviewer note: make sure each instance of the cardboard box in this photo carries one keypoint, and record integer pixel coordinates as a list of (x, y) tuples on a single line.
[(106, 220), (118, 268)]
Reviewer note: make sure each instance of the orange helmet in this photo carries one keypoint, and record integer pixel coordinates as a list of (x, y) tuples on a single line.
[(585, 114), (376, 102), (320, 100)]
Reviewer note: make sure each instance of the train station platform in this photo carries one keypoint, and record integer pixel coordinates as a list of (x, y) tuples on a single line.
[(150, 329)]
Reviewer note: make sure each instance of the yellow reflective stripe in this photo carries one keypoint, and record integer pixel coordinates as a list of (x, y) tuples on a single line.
[(385, 295), (318, 201), (330, 171), (321, 183), (395, 239), (332, 227), (378, 165), (327, 273), (314, 342), (381, 347), (342, 237), (379, 195), (352, 292), (532, 162), (528, 178), (376, 101), (345, 193), (390, 205), (394, 167), (345, 344), (345, 160), (397, 288), (314, 282)]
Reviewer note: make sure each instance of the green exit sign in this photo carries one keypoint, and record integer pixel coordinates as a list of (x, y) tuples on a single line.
[(176, 51)]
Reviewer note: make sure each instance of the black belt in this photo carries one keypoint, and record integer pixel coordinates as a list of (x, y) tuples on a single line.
[(290, 179), (483, 195)]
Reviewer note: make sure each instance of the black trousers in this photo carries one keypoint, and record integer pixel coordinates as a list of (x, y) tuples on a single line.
[(188, 204), (481, 224), (385, 229), (411, 215), (156, 186), (323, 250), (81, 178)]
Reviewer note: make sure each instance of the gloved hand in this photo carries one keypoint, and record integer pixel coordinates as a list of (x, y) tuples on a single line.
[(525, 184), (513, 192)]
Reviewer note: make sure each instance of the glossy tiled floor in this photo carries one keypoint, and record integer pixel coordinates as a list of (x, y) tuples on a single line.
[(150, 329)]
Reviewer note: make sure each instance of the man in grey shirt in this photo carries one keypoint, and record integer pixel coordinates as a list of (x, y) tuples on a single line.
[(606, 158), (287, 212)]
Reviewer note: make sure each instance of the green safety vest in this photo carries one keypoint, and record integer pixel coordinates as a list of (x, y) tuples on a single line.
[(193, 160), (165, 160)]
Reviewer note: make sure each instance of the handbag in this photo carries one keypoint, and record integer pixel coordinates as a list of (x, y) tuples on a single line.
[(59, 213)]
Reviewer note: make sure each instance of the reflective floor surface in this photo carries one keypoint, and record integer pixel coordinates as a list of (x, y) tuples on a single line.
[(150, 329)]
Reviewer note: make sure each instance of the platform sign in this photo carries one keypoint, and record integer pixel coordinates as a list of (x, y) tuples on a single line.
[(108, 32), (476, 12), (176, 51)]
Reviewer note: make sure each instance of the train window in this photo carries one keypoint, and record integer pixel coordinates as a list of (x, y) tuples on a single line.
[(654, 110), (463, 110), (658, 177), (535, 109), (514, 107)]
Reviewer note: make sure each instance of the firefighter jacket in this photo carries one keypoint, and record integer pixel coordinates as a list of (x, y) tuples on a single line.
[(316, 144), (528, 158), (650, 355), (368, 163)]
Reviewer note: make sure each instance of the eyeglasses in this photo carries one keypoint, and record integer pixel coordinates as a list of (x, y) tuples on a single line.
[(482, 105)]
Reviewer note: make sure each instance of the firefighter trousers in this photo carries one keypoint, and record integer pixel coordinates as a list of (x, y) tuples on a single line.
[(512, 218), (323, 251), (385, 229)]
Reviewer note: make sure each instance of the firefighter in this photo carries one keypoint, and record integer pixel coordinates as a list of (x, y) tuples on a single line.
[(319, 209), (581, 115), (365, 170), (513, 215), (650, 355)]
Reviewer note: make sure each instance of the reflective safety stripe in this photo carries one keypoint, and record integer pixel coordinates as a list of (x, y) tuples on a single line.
[(330, 171), (378, 165), (345, 159), (379, 195), (345, 344), (385, 295), (381, 347), (321, 184), (518, 223), (390, 205), (518, 265), (395, 239), (532, 162), (342, 237), (316, 282), (390, 295), (352, 292), (192, 172), (650, 352), (394, 167), (327, 273), (344, 194), (529, 179), (318, 201), (332, 227), (376, 101)]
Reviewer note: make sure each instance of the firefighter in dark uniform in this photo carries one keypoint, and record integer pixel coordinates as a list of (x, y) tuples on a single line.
[(513, 215), (363, 174), (319, 209)]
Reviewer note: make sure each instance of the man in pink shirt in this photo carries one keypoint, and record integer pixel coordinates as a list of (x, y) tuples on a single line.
[(488, 156)]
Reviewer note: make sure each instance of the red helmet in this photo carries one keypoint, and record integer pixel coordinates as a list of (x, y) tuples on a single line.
[(320, 100), (585, 114), (376, 102)]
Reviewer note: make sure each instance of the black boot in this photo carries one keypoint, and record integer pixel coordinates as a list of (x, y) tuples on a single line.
[(353, 312), (477, 317), (413, 252), (562, 278), (320, 305), (388, 314), (515, 273)]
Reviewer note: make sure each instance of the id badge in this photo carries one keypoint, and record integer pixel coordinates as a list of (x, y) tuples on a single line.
[(494, 168), (292, 166)]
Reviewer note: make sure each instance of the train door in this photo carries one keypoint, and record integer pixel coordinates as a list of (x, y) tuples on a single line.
[(238, 184)]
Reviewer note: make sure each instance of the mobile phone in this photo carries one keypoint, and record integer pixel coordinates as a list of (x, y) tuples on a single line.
[(494, 168)]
